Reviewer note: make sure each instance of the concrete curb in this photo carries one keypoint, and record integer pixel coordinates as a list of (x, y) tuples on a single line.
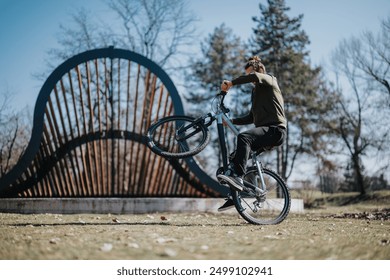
[(118, 205)]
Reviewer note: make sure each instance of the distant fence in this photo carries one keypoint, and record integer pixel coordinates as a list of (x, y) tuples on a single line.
[(88, 139)]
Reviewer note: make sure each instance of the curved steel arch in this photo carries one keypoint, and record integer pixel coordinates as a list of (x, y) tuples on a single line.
[(7, 181)]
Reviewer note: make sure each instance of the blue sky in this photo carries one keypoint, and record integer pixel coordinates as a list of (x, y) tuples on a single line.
[(28, 29)]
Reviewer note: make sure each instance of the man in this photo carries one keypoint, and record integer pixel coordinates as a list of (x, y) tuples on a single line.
[(267, 114)]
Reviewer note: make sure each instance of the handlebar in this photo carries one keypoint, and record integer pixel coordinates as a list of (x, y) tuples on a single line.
[(223, 94), (222, 106)]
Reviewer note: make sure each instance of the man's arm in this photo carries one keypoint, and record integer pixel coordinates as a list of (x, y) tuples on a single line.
[(247, 119), (245, 79)]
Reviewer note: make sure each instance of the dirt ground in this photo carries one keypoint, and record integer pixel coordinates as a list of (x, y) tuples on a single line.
[(336, 233)]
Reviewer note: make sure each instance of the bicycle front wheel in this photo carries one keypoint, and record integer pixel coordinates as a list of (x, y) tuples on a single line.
[(268, 209), (178, 136)]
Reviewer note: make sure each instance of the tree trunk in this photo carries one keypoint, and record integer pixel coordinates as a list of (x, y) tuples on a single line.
[(358, 174)]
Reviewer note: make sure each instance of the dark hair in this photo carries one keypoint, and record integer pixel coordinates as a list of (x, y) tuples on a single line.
[(255, 62)]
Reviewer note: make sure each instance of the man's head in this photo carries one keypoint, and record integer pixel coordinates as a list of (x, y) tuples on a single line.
[(254, 64)]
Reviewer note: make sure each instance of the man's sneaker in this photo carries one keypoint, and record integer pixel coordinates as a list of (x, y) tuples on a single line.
[(227, 205), (234, 181), (228, 172)]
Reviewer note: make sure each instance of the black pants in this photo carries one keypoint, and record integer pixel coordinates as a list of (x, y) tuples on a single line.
[(255, 139)]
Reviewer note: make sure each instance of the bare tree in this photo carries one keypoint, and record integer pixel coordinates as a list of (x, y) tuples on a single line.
[(158, 29), (14, 134), (365, 62), (360, 126), (350, 129), (369, 54)]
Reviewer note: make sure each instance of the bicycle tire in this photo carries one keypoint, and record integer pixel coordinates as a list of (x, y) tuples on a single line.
[(164, 137), (277, 201)]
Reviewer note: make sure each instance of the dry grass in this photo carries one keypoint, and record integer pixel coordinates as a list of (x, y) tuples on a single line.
[(322, 233)]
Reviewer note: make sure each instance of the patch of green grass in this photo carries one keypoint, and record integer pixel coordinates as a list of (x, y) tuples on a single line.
[(343, 199), (315, 199)]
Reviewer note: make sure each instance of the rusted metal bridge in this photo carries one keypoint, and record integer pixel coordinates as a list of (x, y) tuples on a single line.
[(88, 139)]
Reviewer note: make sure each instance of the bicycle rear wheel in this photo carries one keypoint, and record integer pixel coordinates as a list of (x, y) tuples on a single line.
[(270, 209), (178, 136)]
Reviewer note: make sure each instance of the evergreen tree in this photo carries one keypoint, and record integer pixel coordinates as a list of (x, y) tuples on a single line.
[(222, 57), (281, 44)]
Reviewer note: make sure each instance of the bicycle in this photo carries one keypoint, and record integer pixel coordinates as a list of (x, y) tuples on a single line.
[(265, 199)]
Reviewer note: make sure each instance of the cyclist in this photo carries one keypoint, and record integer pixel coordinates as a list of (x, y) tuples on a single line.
[(267, 114)]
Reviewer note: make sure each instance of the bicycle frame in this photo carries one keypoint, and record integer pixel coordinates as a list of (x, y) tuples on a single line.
[(221, 118)]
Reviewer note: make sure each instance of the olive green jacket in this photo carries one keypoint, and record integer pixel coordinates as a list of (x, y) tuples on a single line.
[(267, 101)]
